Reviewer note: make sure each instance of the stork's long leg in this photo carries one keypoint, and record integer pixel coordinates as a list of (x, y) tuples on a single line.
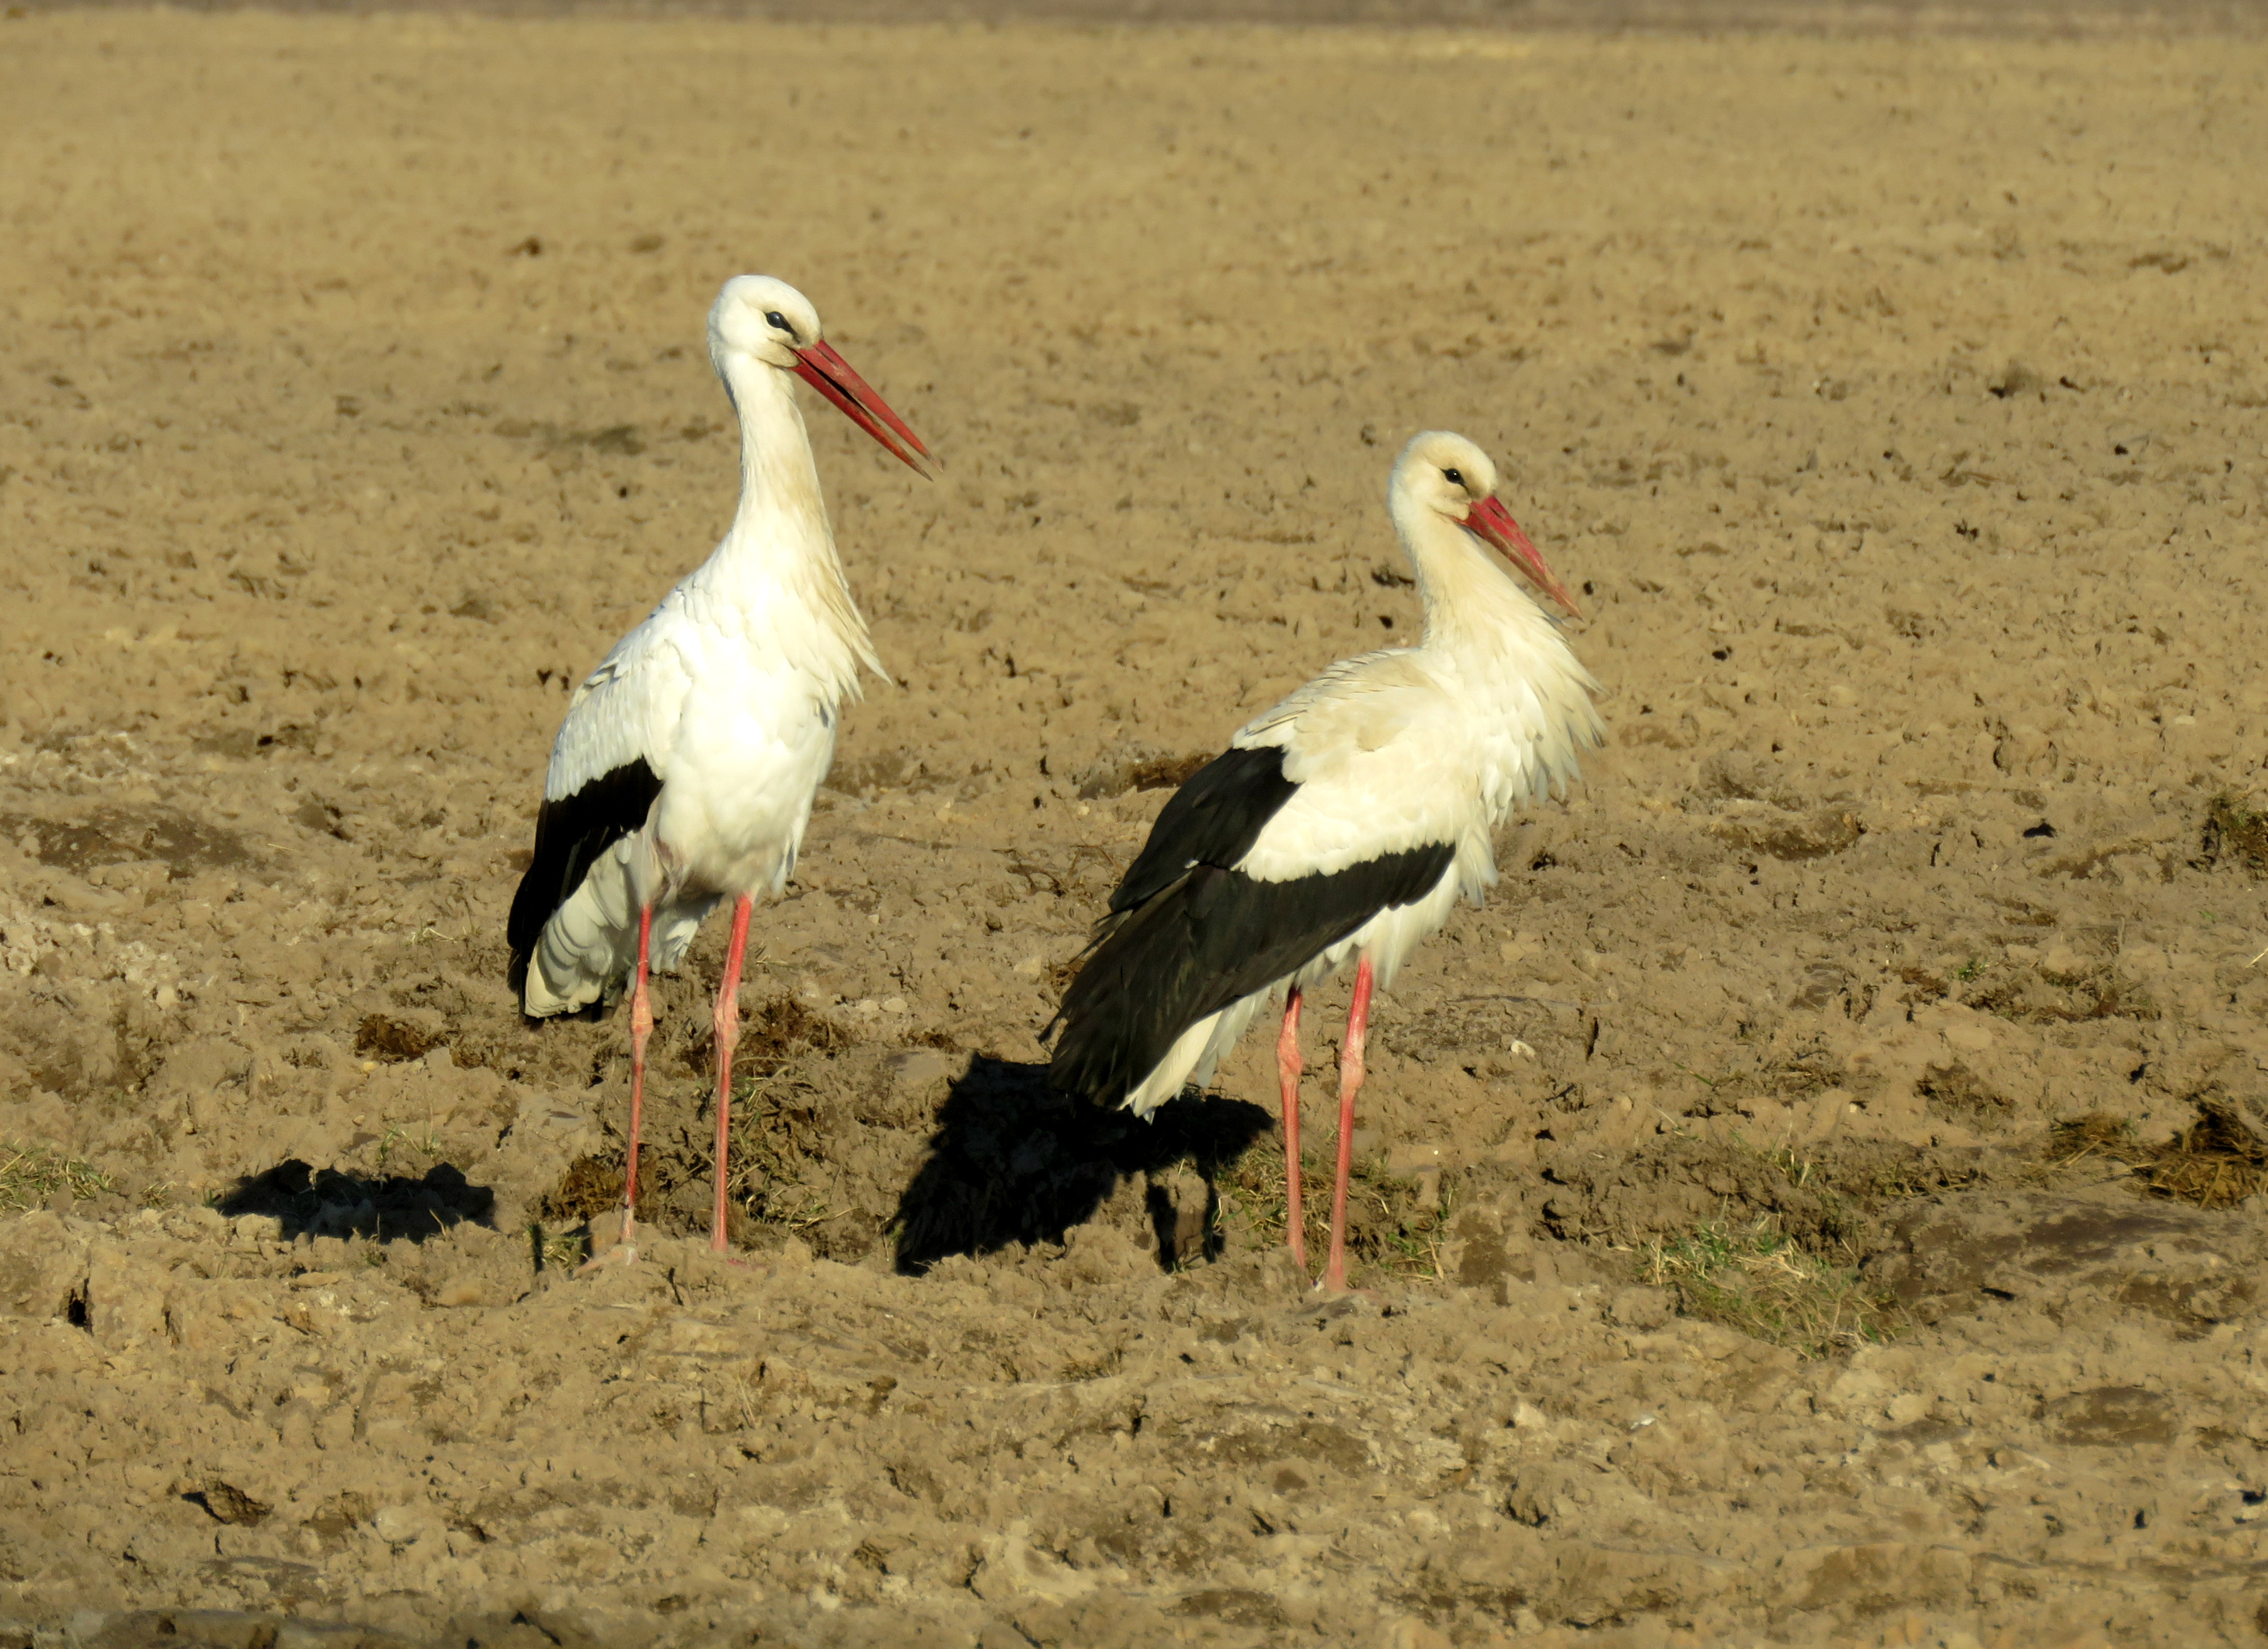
[(1350, 1081), (728, 1037), (1288, 1070), (641, 1031)]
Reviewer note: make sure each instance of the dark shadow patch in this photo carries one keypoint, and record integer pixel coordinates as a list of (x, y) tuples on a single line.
[(1184, 1235), (213, 1628), (1013, 1161), (115, 837), (526, 1629), (2028, 1001), (2015, 378), (2187, 1268), (623, 440), (229, 1504), (1953, 1251), (327, 1202)]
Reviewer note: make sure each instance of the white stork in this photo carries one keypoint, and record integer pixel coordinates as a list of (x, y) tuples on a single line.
[(684, 772), (1344, 822)]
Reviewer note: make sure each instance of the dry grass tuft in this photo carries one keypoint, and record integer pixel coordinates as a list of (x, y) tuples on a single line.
[(390, 1040), (1393, 1225), (781, 1032), (591, 1185), (2217, 1161), (1761, 1281), (31, 1176), (2236, 833), (561, 1250), (775, 1148), (776, 1128), (776, 1137), (2091, 1135)]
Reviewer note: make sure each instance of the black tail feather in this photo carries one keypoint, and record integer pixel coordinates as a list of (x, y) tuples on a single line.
[(1208, 940), (570, 834)]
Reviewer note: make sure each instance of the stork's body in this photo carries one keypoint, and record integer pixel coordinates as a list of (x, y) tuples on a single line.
[(684, 773), (1345, 821)]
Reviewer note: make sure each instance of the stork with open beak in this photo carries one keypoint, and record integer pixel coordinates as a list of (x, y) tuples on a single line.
[(684, 772), (1345, 821)]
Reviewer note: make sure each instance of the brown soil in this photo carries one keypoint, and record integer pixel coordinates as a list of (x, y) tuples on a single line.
[(2058, 19), (1890, 996)]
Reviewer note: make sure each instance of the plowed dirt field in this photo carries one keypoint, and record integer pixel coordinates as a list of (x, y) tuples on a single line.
[(1815, 1201)]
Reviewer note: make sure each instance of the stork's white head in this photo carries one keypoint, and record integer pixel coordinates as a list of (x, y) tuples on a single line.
[(1443, 474), (764, 319), (757, 318)]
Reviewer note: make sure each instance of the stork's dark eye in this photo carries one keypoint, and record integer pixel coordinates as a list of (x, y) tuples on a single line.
[(1451, 475), (773, 318)]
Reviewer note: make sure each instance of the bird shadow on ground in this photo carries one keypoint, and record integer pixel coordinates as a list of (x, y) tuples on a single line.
[(327, 1202), (1014, 1161)]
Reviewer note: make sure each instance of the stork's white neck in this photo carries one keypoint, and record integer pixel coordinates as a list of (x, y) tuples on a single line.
[(1508, 660), (776, 565), (1474, 603)]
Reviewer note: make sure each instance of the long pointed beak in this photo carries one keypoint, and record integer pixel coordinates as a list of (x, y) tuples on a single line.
[(827, 371), (1493, 523)]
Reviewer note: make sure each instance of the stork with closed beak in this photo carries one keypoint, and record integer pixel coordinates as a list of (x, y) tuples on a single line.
[(684, 773), (1345, 821)]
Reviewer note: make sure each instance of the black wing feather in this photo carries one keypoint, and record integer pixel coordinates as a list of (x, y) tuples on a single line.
[(1214, 819), (1210, 938), (570, 834)]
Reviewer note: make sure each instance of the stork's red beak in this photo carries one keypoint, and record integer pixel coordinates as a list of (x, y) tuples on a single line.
[(1493, 523), (827, 371)]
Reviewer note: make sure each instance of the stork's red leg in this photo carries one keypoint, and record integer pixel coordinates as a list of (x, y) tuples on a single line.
[(641, 1032), (728, 1036), (1288, 1070), (1349, 1080)]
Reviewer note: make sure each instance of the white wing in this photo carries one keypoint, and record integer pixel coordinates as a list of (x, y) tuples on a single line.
[(627, 709), (1382, 756)]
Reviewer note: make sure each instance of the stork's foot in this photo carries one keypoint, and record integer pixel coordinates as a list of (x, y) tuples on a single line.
[(620, 1249), (621, 1254), (727, 1254)]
